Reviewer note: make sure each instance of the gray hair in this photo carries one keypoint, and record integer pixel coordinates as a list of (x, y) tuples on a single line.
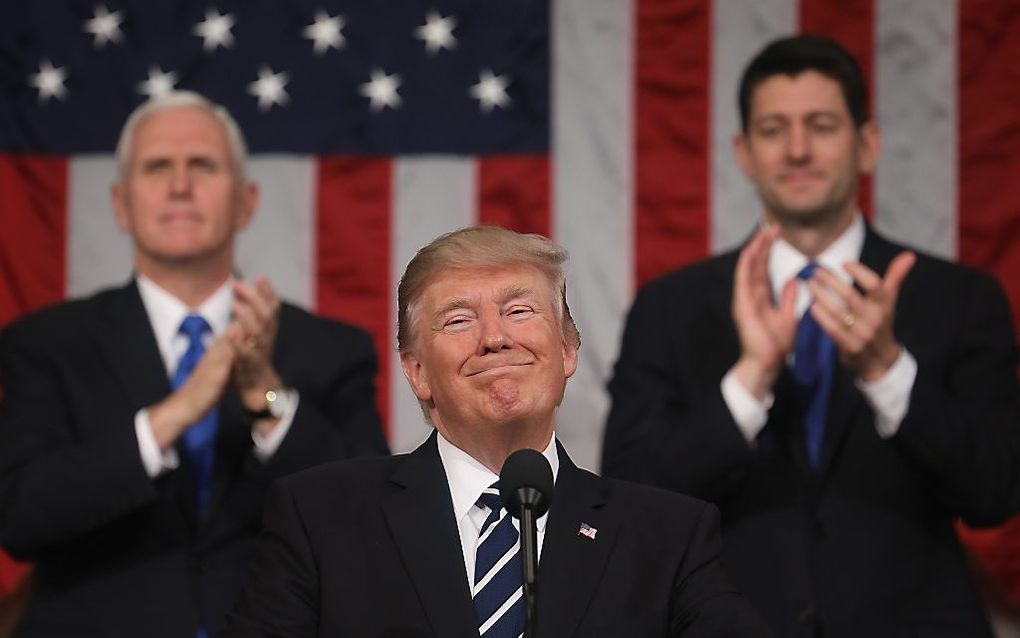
[(179, 99)]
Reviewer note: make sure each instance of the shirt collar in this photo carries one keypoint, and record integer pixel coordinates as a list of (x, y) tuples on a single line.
[(467, 477), (785, 261), (166, 312)]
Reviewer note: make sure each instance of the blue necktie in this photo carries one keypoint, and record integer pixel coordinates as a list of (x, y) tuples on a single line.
[(498, 593), (199, 439), (814, 358)]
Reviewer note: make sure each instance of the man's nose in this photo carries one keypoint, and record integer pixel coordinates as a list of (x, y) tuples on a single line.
[(494, 336), (798, 144), (180, 181)]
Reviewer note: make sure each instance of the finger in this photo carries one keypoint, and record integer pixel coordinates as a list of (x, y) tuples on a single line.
[(247, 294), (788, 300), (866, 278), (898, 270), (246, 319), (835, 286), (832, 323), (266, 290)]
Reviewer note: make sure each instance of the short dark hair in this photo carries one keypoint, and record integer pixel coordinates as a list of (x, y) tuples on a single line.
[(795, 54)]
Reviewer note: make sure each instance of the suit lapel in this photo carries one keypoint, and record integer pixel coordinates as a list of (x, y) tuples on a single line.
[(572, 564), (126, 337), (420, 516)]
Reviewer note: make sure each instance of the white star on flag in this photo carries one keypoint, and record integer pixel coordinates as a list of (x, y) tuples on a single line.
[(158, 84), (50, 81), (437, 32), (382, 90), (325, 32), (215, 30), (491, 91), (269, 88), (105, 26)]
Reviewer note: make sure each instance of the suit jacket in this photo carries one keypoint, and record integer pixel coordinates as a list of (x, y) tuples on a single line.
[(866, 545), (371, 548), (120, 554)]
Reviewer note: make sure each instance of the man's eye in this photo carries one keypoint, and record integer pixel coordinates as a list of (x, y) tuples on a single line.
[(520, 310)]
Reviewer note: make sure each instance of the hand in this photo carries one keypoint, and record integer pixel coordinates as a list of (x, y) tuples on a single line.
[(200, 393), (766, 332), (862, 325), (256, 316)]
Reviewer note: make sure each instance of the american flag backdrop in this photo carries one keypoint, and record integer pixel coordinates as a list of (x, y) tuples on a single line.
[(607, 124)]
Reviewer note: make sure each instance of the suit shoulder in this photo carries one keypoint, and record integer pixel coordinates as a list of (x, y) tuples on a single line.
[(58, 322), (360, 478), (648, 496), (713, 271), (298, 321)]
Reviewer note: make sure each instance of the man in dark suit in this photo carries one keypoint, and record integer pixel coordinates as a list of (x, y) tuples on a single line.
[(419, 545), (839, 398), (140, 427)]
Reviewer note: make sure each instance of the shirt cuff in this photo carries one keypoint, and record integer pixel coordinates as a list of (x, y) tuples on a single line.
[(748, 412), (266, 446), (154, 460), (889, 395)]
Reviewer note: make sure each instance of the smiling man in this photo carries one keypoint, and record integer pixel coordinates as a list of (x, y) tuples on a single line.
[(419, 545), (139, 427), (838, 397)]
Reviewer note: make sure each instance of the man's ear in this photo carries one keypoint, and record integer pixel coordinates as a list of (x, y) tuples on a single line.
[(569, 359), (416, 375), (249, 201), (118, 201), (869, 144)]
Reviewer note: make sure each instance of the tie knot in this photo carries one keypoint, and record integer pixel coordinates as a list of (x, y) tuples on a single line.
[(490, 498), (194, 326), (807, 272)]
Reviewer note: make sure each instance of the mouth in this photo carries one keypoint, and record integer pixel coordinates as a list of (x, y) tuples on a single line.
[(497, 368), (801, 177), (180, 216)]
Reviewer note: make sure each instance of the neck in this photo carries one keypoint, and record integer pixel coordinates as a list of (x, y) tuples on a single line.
[(501, 441), (190, 282), (811, 240)]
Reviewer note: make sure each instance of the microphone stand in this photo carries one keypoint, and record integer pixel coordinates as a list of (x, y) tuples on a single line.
[(529, 546)]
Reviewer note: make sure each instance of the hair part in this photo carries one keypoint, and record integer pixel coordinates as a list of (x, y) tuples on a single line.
[(796, 54), (181, 99)]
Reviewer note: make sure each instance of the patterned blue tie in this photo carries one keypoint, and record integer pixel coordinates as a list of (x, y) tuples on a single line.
[(498, 592), (814, 357), (199, 439)]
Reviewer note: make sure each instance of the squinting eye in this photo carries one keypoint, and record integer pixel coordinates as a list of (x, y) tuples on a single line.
[(520, 311)]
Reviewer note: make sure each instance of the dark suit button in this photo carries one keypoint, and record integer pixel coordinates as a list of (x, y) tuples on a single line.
[(806, 615)]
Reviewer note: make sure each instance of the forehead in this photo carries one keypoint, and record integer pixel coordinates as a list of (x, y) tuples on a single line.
[(483, 284), (793, 96), (181, 129)]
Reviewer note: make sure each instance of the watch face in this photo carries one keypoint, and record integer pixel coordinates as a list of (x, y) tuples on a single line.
[(278, 401)]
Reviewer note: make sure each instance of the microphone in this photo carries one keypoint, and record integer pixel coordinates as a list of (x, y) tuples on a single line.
[(526, 487)]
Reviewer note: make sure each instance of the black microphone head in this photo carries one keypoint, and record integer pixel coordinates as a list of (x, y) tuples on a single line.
[(526, 481)]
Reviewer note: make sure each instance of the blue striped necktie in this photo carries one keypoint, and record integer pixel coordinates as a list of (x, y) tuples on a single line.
[(498, 594), (814, 358), (200, 438)]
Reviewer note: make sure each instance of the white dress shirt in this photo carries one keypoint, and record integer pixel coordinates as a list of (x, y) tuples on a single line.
[(467, 479), (888, 396), (166, 313)]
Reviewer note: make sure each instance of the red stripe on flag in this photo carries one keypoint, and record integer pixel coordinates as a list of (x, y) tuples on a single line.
[(352, 280), (34, 222), (852, 24), (989, 141), (671, 135), (989, 206), (513, 192)]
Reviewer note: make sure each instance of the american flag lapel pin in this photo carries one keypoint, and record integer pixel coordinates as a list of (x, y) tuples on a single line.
[(587, 530)]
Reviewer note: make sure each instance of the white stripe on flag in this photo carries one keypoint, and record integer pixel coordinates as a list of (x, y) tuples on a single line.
[(432, 195), (593, 199), (280, 241), (98, 254), (916, 97), (739, 30)]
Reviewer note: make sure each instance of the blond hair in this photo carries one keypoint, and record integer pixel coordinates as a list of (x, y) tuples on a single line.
[(482, 247)]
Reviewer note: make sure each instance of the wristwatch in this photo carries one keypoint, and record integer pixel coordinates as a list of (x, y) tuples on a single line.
[(278, 401)]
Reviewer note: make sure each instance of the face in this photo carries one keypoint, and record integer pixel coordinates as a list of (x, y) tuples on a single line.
[(489, 353), (803, 151), (180, 197)]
